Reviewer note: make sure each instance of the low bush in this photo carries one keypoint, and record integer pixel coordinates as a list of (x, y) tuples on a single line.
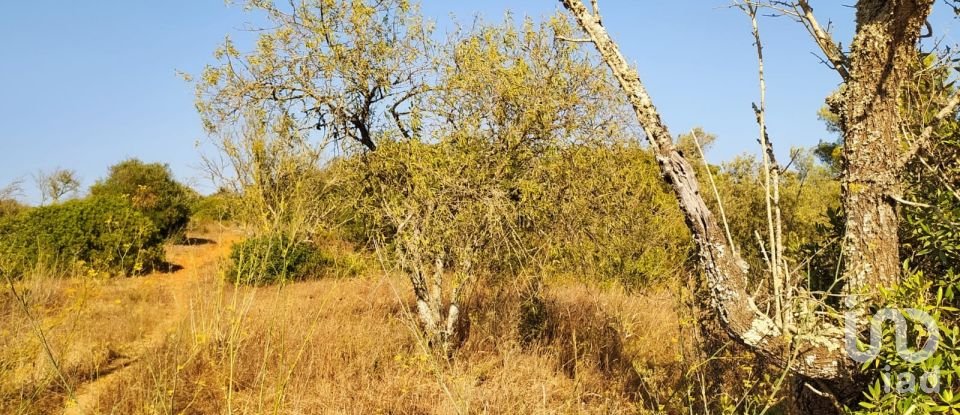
[(218, 207), (100, 233), (914, 380), (274, 258)]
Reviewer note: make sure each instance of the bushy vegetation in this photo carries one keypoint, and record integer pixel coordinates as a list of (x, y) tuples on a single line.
[(218, 207), (498, 173), (152, 190), (99, 233), (274, 258), (900, 385)]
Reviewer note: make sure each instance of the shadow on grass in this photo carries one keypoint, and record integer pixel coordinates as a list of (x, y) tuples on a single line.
[(168, 267), (189, 241)]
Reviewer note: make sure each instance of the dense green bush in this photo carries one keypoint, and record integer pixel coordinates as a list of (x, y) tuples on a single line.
[(152, 190), (274, 258), (597, 211), (100, 233)]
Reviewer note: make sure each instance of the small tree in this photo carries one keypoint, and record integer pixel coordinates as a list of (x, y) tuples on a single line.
[(343, 68), (151, 189), (56, 184)]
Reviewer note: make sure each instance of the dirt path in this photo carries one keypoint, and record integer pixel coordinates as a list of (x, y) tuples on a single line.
[(199, 256)]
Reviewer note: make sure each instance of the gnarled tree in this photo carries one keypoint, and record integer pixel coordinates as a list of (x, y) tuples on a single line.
[(343, 68), (873, 70)]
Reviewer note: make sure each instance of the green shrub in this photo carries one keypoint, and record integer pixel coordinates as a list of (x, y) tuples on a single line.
[(217, 207), (101, 233), (274, 258), (152, 190), (896, 385)]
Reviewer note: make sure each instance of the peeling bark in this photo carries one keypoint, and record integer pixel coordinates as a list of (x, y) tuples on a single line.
[(441, 322), (885, 41)]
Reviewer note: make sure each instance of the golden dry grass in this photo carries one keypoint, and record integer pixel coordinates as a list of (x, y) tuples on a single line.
[(189, 343)]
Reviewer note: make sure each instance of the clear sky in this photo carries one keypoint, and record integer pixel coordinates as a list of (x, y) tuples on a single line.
[(87, 84)]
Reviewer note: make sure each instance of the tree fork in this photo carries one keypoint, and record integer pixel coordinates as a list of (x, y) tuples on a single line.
[(818, 356)]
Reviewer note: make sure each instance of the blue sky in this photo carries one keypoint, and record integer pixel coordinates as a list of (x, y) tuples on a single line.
[(87, 84)]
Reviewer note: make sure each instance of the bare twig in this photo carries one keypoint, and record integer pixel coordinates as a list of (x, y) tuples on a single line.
[(771, 170), (575, 40), (716, 193), (903, 201)]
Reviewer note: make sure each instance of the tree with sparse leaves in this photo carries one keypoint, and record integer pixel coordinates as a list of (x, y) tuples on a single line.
[(56, 184)]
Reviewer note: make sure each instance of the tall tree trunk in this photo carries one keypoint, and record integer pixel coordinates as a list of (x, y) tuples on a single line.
[(885, 41)]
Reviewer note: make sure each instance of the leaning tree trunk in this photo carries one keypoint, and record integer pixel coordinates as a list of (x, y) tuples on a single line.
[(726, 273), (886, 34), (885, 41)]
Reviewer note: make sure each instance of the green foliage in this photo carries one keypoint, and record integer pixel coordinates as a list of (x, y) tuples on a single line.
[(929, 234), (218, 207), (603, 212), (101, 233), (510, 181), (898, 386), (151, 189), (808, 194), (364, 60), (274, 258)]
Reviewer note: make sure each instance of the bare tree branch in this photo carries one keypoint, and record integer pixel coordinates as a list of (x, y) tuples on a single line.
[(823, 39)]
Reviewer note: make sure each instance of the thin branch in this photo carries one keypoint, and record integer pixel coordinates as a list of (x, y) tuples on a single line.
[(771, 181), (716, 193), (575, 40), (823, 39), (927, 132), (903, 201)]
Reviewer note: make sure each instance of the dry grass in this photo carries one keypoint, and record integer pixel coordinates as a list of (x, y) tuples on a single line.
[(89, 325), (335, 345)]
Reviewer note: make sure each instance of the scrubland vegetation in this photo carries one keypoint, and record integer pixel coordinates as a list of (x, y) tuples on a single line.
[(471, 225)]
